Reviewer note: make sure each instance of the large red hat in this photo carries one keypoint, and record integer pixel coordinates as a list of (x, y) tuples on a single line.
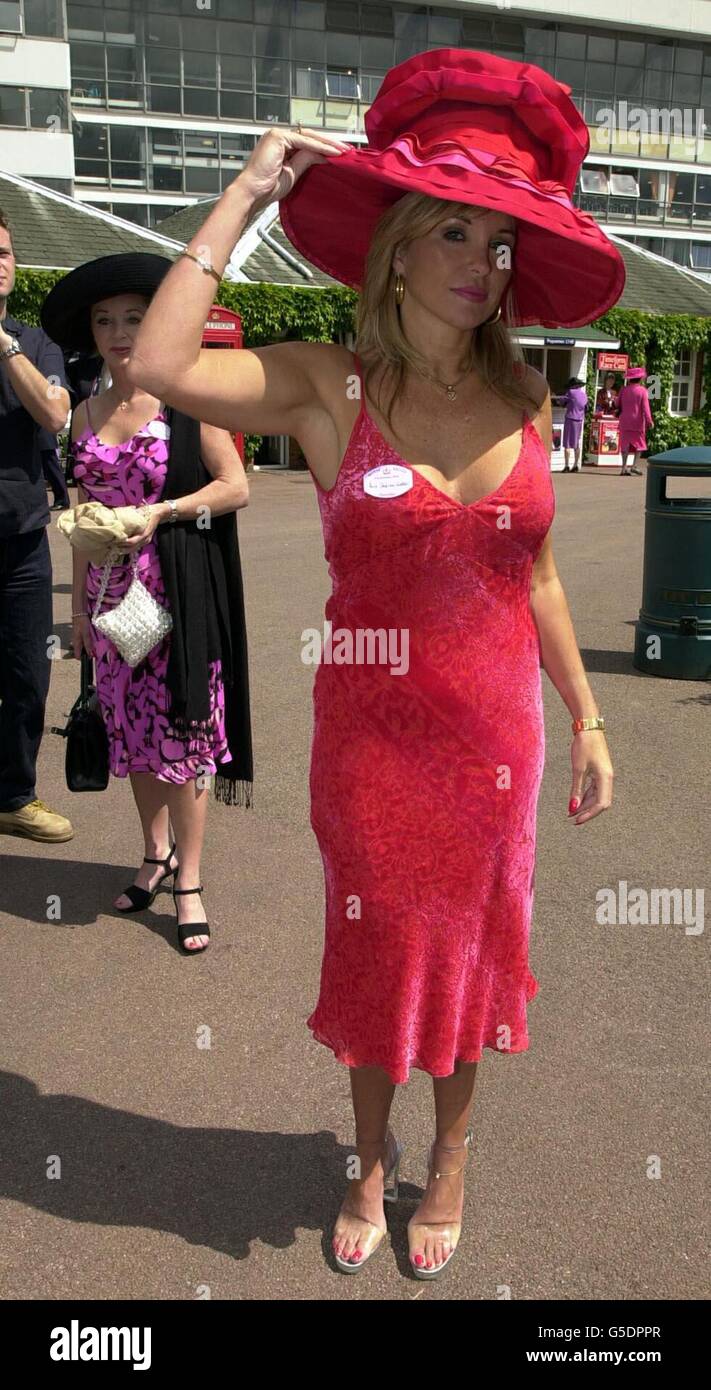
[(470, 128)]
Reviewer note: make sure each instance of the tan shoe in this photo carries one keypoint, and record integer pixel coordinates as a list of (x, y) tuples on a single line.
[(373, 1238), (36, 822), (446, 1232)]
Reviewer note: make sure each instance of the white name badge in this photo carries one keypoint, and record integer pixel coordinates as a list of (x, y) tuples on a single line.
[(388, 480), (160, 429)]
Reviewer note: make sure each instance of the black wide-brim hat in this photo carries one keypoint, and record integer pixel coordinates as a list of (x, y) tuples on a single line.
[(66, 313)]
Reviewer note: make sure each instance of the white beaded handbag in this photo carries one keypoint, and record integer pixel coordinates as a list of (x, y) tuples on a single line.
[(138, 623)]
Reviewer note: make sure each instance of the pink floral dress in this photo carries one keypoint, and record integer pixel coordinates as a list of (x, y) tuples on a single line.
[(135, 700)]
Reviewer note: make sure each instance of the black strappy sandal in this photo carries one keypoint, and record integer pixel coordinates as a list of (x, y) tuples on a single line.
[(141, 898), (186, 929)]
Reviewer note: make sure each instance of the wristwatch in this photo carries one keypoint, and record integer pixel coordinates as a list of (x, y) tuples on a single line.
[(12, 350), (173, 509), (596, 722)]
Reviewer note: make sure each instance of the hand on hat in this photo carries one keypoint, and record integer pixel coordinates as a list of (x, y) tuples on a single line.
[(281, 156)]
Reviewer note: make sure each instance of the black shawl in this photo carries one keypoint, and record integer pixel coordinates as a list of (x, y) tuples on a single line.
[(202, 575)]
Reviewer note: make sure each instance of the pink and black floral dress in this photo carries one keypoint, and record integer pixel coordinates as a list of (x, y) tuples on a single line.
[(135, 700)]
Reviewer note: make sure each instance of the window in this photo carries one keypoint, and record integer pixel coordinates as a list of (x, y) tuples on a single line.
[(91, 150), (236, 148), (681, 396), (624, 184), (600, 50), (308, 46), (535, 357), (701, 255), (600, 81), (43, 20), (571, 43), (127, 155), (12, 106), (48, 109), (235, 73), (540, 45), (88, 69), (593, 181), (131, 212), (10, 22), (572, 72), (308, 14), (165, 179), (445, 31), (85, 22), (342, 84), (680, 195)]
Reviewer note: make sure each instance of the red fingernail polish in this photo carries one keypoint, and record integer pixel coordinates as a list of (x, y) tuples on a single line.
[(573, 803)]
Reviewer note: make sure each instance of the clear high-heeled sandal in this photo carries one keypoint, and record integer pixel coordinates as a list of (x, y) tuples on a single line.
[(373, 1235), (448, 1232)]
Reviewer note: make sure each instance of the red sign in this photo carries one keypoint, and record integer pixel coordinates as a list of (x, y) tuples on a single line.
[(224, 330), (612, 361), (604, 436)]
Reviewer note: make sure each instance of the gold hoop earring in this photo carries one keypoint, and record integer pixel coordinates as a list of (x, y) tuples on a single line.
[(494, 319), (399, 288)]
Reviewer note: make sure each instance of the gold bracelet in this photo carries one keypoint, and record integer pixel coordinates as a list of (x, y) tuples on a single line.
[(204, 265), (597, 722)]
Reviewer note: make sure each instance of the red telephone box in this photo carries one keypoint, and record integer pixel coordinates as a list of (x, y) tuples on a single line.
[(224, 330)]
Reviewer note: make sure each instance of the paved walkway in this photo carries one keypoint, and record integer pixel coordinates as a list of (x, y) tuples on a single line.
[(185, 1166)]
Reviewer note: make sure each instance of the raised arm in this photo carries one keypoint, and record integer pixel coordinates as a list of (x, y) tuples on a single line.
[(257, 390)]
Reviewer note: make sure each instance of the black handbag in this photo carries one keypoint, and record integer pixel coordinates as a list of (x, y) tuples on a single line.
[(87, 757)]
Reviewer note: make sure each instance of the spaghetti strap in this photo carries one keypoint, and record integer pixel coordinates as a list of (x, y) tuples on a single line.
[(88, 413)]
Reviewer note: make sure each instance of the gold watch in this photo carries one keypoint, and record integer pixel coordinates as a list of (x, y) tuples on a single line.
[(596, 722)]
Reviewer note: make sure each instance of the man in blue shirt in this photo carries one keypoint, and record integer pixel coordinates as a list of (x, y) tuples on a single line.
[(32, 393)]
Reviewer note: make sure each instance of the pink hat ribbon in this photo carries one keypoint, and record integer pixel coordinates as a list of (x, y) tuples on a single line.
[(450, 152)]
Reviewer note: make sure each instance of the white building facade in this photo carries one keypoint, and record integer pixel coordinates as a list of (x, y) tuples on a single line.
[(143, 106)]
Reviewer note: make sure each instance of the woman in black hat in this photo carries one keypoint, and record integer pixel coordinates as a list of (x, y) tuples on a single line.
[(182, 714)]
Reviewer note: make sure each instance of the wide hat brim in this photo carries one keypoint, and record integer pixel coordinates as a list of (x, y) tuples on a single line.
[(470, 127), (65, 314), (566, 271)]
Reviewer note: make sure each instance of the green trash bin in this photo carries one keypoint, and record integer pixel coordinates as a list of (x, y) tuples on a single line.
[(673, 631)]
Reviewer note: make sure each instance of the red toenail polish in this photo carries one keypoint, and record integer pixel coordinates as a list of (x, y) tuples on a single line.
[(429, 1264), (418, 1259)]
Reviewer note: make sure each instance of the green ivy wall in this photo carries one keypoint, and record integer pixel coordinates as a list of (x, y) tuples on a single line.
[(272, 313)]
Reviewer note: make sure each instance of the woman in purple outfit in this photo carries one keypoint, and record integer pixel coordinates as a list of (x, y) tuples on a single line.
[(575, 400), (635, 415)]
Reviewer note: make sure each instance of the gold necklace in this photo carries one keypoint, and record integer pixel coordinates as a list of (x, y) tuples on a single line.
[(450, 389)]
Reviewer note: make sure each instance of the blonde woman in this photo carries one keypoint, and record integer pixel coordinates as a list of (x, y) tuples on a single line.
[(430, 455)]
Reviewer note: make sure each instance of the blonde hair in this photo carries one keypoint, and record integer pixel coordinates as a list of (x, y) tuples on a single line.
[(380, 340)]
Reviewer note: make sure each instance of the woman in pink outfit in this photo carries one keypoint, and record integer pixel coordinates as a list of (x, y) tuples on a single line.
[(429, 450), (635, 415)]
